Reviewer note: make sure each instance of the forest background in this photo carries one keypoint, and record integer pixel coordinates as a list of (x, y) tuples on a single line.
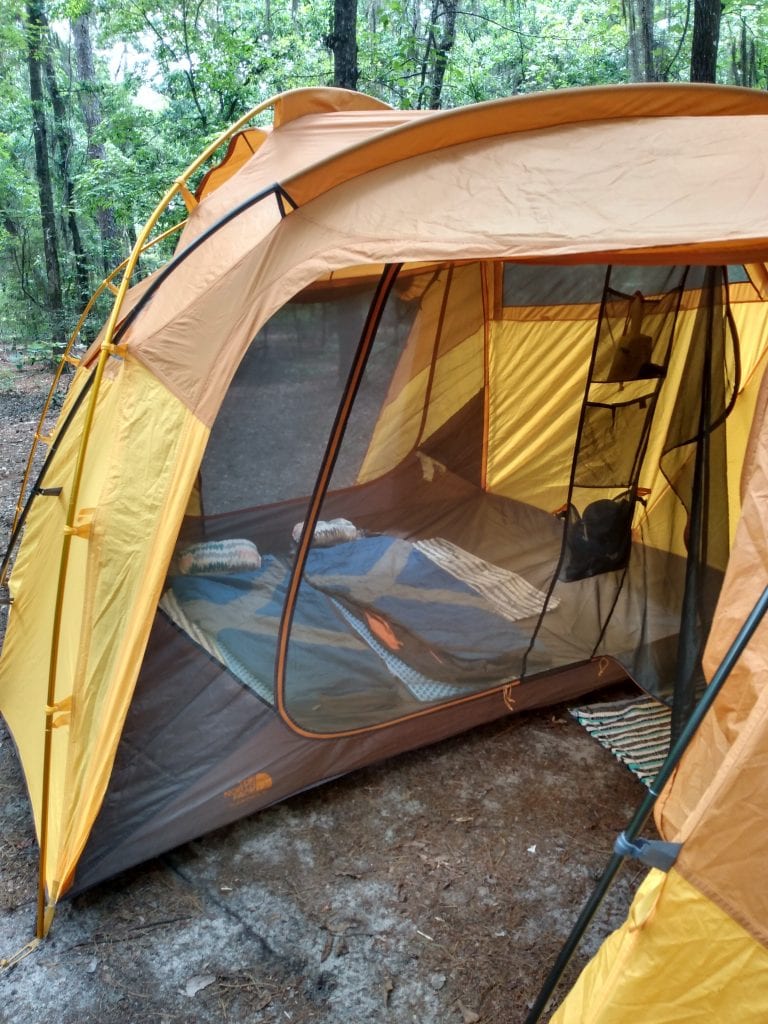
[(103, 106)]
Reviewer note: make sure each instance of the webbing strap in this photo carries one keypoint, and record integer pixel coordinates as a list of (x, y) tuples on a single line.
[(118, 349), (82, 525)]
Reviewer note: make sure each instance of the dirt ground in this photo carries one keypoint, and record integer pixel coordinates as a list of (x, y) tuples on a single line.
[(434, 888)]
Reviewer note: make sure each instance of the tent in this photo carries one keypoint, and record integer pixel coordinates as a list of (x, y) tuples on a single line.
[(430, 417)]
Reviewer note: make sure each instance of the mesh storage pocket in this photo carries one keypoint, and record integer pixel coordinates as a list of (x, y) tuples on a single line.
[(598, 531), (612, 438), (629, 364)]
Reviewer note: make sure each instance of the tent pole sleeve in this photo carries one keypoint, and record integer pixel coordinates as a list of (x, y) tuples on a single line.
[(645, 807)]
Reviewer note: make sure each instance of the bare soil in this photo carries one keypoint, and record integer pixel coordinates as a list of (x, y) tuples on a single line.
[(435, 888)]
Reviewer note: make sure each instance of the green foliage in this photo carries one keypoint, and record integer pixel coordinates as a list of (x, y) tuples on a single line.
[(211, 62), (169, 77), (744, 45)]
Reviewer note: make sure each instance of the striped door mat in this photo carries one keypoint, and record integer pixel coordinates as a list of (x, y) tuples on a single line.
[(636, 731)]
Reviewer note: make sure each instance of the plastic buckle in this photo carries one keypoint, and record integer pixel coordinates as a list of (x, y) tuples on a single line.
[(654, 853)]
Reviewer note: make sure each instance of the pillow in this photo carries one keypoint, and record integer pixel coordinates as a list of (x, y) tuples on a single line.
[(329, 532), (218, 556)]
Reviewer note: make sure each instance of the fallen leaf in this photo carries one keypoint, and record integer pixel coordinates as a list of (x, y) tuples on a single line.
[(388, 990), (197, 983), (327, 948), (470, 1017)]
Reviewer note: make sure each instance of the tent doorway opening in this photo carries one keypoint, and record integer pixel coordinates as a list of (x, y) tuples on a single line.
[(529, 473)]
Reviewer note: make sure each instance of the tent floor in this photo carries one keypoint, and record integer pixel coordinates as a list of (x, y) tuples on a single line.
[(200, 748)]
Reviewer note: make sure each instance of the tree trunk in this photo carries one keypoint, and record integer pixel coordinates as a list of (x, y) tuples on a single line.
[(34, 31), (640, 20), (91, 108), (442, 49), (342, 41), (372, 16), (706, 35), (63, 137), (425, 59), (133, 238), (744, 60)]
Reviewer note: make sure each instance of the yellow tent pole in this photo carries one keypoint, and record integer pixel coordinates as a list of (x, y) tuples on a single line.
[(45, 911)]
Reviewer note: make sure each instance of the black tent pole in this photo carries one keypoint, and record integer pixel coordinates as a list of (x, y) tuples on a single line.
[(630, 834), (689, 644)]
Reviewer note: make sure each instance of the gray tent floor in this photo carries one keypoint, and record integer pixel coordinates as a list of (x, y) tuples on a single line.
[(434, 888)]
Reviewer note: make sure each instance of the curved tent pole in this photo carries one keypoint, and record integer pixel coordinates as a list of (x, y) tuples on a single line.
[(45, 909), (627, 843)]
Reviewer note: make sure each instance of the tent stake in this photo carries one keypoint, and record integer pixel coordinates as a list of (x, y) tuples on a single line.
[(645, 807)]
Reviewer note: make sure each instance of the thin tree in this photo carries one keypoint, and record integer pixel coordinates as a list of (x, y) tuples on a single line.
[(442, 48), (639, 15), (35, 27), (64, 145), (744, 59), (706, 36), (342, 42), (90, 105)]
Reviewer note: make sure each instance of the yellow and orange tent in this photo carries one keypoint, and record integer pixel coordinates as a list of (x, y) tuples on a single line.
[(429, 417)]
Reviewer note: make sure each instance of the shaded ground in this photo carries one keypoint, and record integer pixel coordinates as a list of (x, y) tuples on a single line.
[(432, 889)]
